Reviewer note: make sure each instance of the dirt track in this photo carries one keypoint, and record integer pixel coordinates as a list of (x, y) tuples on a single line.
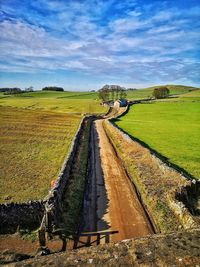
[(111, 203)]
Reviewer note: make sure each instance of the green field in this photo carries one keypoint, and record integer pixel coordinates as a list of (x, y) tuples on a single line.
[(191, 96), (36, 132), (33, 146), (69, 102), (170, 128), (175, 90)]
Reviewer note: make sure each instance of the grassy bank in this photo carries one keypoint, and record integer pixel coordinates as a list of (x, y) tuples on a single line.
[(172, 129)]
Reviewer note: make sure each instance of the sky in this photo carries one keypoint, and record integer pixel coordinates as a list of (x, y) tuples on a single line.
[(82, 45)]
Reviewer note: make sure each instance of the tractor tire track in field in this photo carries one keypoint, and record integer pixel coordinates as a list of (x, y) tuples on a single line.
[(111, 202)]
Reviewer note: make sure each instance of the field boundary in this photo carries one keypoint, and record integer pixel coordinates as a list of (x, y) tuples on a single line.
[(54, 199), (15, 216)]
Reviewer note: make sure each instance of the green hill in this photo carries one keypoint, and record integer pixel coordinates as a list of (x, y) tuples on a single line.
[(147, 92)]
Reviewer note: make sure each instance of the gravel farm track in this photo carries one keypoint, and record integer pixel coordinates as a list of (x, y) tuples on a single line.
[(111, 202)]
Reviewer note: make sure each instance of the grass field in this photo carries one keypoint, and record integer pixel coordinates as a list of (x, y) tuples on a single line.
[(177, 90), (36, 132), (69, 102), (194, 95), (33, 146), (56, 94), (170, 128)]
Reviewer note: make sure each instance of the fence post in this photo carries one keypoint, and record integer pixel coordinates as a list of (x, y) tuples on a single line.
[(41, 236)]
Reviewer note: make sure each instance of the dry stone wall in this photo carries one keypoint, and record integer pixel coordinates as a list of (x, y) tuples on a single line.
[(53, 202), (15, 216), (174, 249)]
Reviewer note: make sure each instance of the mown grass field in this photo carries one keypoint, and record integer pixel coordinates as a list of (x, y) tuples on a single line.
[(33, 146), (170, 128), (36, 130), (69, 102)]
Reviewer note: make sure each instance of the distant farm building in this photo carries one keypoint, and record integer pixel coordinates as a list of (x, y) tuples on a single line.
[(120, 103)]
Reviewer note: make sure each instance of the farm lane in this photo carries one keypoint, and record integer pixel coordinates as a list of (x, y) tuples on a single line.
[(110, 201), (125, 212)]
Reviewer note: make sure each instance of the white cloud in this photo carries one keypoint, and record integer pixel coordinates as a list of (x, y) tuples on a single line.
[(128, 24), (131, 45), (162, 29)]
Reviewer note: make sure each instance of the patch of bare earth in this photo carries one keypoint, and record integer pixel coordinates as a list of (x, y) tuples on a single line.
[(18, 244)]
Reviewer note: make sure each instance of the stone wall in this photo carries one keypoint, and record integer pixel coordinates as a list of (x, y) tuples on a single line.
[(15, 216), (53, 201), (174, 249)]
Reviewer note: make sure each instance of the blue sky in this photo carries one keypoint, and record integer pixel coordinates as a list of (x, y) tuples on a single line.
[(84, 44)]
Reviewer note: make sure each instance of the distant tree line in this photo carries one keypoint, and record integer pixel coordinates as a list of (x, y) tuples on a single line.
[(53, 88), (15, 90), (11, 91), (112, 92)]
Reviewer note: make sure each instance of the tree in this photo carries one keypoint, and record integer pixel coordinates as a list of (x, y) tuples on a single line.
[(103, 95), (112, 92), (123, 93), (112, 89), (13, 91), (117, 91), (161, 92)]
